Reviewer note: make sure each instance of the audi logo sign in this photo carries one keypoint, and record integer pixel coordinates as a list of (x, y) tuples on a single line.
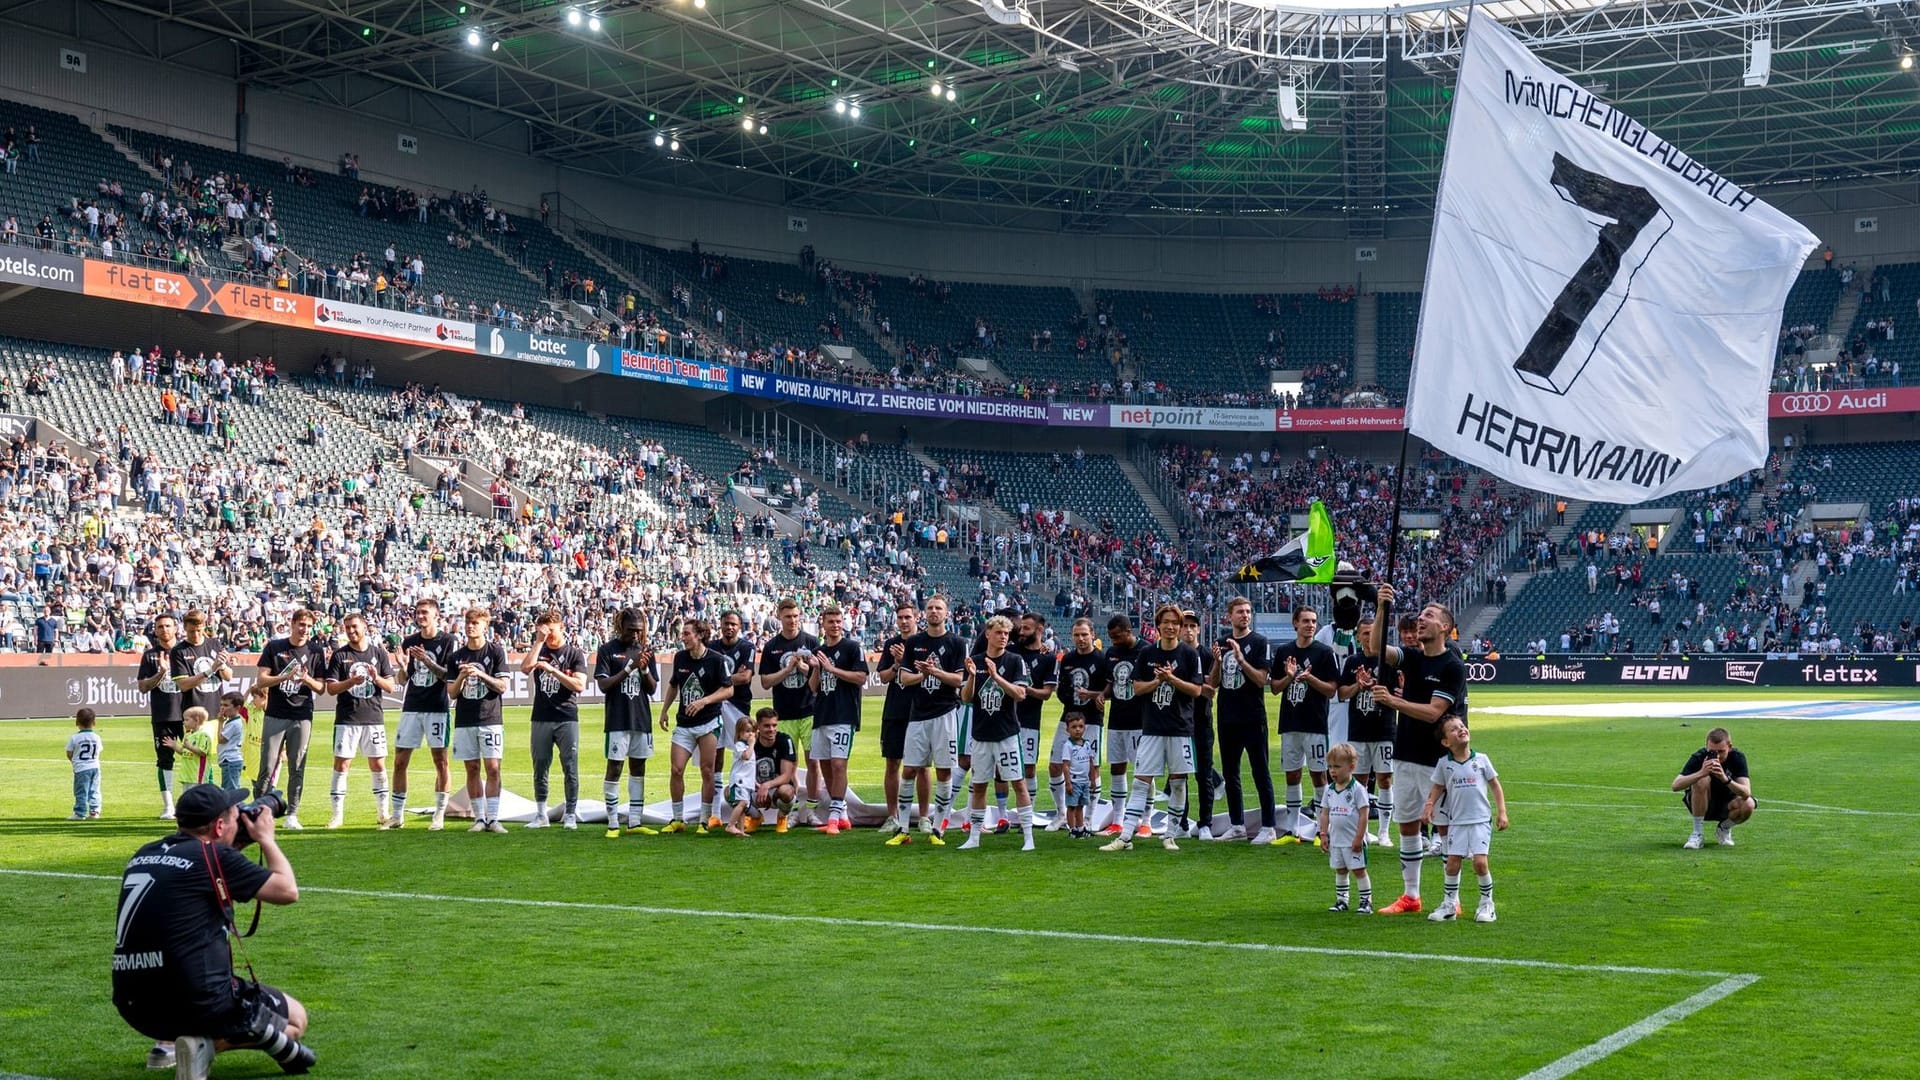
[(1480, 671), (1838, 402), (1800, 404)]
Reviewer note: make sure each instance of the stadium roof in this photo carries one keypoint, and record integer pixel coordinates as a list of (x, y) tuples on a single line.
[(1151, 116)]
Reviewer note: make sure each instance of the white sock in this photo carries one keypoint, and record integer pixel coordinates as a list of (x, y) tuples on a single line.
[(837, 809), (1486, 887), (1026, 821), (1177, 799), (339, 789), (1340, 892), (540, 811), (380, 793), (1699, 826), (493, 807), (1292, 820), (1137, 803), (942, 800), (1413, 852), (636, 798), (399, 804), (610, 794), (166, 785), (1451, 883), (439, 803), (1057, 787)]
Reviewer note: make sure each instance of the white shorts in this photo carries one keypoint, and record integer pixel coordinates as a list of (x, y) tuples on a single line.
[(1411, 783), (995, 760), (1303, 750), (688, 738), (417, 729), (932, 743), (352, 740), (480, 743), (738, 793), (1057, 753), (831, 743), (1163, 755), (1374, 758), (1343, 857), (1122, 746), (629, 745), (1470, 840), (1029, 747)]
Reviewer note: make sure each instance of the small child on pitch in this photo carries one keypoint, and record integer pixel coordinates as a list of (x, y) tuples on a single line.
[(1476, 805), (233, 728), (1081, 782), (740, 779), (197, 742), (1343, 826), (83, 749)]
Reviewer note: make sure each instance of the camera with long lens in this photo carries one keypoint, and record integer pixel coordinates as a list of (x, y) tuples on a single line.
[(271, 800)]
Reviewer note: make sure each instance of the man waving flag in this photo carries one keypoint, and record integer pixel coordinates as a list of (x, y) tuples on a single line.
[(1306, 558), (1600, 308)]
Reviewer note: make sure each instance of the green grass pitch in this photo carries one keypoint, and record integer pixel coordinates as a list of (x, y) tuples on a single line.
[(556, 954)]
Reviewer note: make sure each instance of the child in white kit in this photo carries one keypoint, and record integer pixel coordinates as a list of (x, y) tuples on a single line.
[(1081, 783), (1343, 824), (1476, 807), (233, 728), (740, 779), (83, 749)]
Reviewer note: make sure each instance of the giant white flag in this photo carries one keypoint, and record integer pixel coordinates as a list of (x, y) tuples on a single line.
[(1601, 309)]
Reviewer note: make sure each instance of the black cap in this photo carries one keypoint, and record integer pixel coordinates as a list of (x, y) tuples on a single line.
[(202, 804)]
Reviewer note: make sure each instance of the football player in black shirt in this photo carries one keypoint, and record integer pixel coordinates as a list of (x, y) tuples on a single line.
[(894, 714), (1306, 676), (1043, 673), (425, 656), (625, 670), (702, 679), (558, 669), (1085, 682), (1370, 728), (1166, 681), (358, 673), (775, 765), (1242, 667), (933, 668), (199, 654), (1123, 719), (838, 676), (1433, 686), (164, 693), (743, 655), (479, 732), (784, 661), (290, 669), (996, 684)]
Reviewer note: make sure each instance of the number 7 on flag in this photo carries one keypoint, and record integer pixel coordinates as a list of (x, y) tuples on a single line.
[(1631, 222)]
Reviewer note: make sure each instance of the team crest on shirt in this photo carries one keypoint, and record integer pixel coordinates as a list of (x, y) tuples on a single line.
[(690, 692), (1163, 695), (631, 686), (1123, 680), (549, 685), (992, 698), (1296, 693), (1363, 701), (828, 682)]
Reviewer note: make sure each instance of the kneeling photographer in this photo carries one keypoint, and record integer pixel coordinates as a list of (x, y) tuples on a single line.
[(173, 975)]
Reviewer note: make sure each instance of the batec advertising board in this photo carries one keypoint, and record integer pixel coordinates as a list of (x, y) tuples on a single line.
[(698, 374), (1697, 670), (544, 349)]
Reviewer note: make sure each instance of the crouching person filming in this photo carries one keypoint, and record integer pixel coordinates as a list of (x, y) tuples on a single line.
[(173, 974)]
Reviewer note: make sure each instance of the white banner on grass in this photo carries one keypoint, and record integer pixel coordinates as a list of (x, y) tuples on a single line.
[(1601, 309)]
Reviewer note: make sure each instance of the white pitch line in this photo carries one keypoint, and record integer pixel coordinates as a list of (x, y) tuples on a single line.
[(22, 1076), (1634, 1032), (1769, 801), (955, 928), (1771, 809)]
